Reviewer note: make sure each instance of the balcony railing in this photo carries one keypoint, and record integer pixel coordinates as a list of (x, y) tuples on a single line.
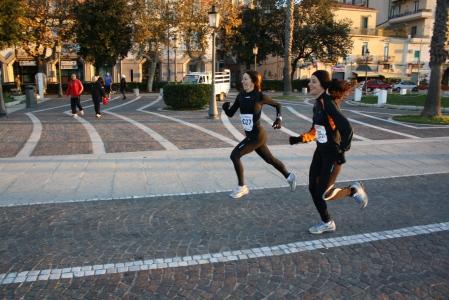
[(364, 31), (408, 13), (385, 59)]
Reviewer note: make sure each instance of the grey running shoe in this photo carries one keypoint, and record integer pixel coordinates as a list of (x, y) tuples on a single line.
[(98, 116), (323, 227), (360, 195), (239, 192), (292, 181), (82, 112), (75, 116)]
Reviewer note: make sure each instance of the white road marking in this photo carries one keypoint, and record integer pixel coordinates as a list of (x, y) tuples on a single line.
[(207, 131), (283, 129), (220, 257), (97, 142), (231, 128), (296, 113), (153, 134), (34, 138)]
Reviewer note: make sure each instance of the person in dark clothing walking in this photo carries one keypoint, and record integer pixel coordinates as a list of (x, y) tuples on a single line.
[(123, 86), (333, 134), (250, 102), (98, 93)]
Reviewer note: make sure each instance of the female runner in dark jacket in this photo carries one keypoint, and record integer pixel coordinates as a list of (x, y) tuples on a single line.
[(333, 134)]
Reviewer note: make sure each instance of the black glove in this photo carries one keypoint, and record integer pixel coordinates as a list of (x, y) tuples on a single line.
[(295, 140), (226, 105), (277, 124), (341, 158)]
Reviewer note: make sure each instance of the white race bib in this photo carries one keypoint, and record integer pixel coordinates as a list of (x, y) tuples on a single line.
[(247, 121), (321, 135)]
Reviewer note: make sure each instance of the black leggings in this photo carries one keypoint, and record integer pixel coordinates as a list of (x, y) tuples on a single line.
[(321, 168), (256, 143), (97, 106), (75, 102)]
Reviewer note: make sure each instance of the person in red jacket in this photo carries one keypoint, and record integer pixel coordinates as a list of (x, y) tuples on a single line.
[(74, 90)]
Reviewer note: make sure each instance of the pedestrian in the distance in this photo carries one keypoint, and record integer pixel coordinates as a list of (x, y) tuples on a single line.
[(98, 93), (250, 102), (333, 134), (123, 86), (108, 84), (74, 89)]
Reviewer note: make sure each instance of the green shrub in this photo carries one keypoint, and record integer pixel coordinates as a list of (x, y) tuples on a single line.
[(187, 96), (278, 85)]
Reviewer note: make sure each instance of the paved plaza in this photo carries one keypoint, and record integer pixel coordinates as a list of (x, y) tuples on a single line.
[(135, 206)]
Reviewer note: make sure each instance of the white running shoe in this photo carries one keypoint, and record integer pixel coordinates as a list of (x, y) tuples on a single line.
[(75, 115), (82, 112), (98, 116), (360, 195), (323, 227), (292, 181), (239, 192)]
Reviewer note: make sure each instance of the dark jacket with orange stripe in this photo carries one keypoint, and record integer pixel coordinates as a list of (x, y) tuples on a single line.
[(338, 129)]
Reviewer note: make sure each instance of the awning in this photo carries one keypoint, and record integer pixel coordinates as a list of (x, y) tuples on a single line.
[(367, 74)]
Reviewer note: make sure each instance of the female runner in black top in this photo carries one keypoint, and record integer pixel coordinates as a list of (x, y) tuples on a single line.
[(250, 102), (333, 134)]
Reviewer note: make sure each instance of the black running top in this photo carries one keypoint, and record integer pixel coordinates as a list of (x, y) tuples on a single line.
[(250, 105)]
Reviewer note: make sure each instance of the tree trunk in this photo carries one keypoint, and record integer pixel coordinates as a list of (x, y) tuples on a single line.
[(3, 112), (288, 47), (438, 55), (432, 106), (151, 73), (292, 72)]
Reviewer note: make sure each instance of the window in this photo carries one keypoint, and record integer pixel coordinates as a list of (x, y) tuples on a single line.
[(364, 22), (413, 31), (417, 55), (416, 5), (364, 48), (132, 75), (386, 51)]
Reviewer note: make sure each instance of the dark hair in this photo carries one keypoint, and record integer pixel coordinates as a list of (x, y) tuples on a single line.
[(323, 77), (101, 80), (339, 89), (256, 78)]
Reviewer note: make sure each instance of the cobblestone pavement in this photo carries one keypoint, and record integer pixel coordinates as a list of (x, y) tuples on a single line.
[(93, 234), (63, 135)]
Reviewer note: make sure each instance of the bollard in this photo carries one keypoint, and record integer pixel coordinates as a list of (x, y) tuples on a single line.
[(382, 97), (403, 92), (358, 95), (30, 97), (136, 92), (304, 91)]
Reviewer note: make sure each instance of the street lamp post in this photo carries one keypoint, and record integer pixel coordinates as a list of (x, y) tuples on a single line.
[(58, 50), (366, 68), (255, 51), (214, 21), (175, 46)]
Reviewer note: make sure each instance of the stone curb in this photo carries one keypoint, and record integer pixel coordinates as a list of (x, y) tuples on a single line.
[(392, 106)]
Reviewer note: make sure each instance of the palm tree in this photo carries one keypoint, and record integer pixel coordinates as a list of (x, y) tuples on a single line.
[(438, 55), (288, 46)]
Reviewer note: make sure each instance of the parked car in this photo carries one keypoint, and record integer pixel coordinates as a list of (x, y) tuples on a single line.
[(377, 84), (409, 85)]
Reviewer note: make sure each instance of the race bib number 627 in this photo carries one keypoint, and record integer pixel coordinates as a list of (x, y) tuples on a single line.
[(247, 121)]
